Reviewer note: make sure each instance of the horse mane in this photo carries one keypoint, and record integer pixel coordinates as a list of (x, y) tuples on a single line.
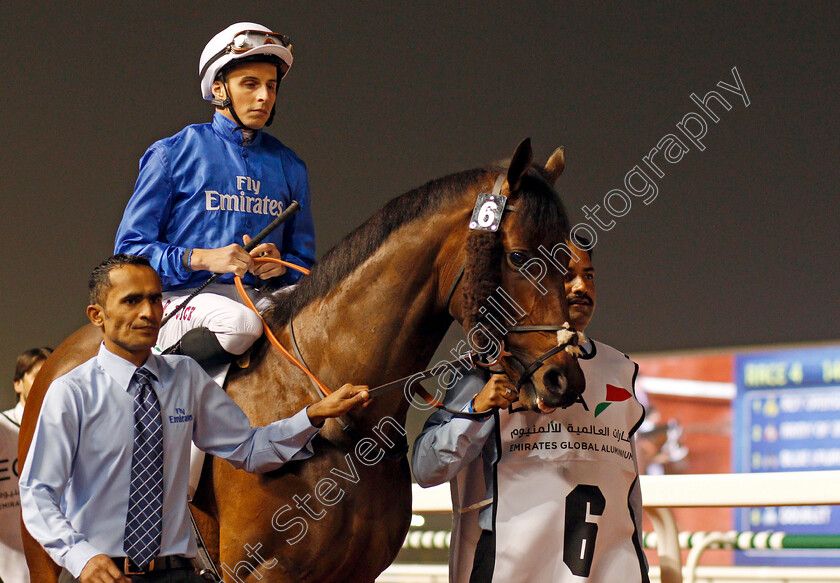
[(542, 214), (361, 243)]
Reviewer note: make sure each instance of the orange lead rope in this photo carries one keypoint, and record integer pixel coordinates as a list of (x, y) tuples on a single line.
[(276, 343), (271, 337)]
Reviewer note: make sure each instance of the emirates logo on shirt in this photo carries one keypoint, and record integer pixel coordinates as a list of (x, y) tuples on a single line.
[(181, 416), (241, 203), (246, 200)]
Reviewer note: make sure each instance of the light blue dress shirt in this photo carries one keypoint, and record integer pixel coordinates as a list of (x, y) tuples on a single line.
[(448, 444), (75, 482)]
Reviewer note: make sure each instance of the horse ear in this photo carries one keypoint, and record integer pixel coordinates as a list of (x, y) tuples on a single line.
[(555, 165), (519, 164)]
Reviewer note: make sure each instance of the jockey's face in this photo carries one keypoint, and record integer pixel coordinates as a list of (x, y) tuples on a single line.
[(580, 289), (253, 91), (130, 318)]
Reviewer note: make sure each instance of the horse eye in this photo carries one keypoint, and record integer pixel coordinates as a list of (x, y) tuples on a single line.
[(518, 258)]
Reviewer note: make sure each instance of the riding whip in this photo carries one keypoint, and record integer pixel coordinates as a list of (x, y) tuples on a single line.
[(203, 562), (293, 208)]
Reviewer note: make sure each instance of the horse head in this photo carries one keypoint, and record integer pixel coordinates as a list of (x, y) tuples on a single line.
[(513, 306)]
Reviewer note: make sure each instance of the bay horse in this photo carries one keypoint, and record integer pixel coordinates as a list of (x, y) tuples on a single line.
[(374, 309)]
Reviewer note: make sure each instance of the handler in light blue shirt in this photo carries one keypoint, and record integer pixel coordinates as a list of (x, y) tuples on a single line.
[(76, 480)]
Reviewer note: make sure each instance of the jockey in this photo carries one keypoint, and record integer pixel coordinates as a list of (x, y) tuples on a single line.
[(204, 192)]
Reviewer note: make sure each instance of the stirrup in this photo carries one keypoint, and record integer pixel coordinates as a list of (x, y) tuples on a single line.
[(244, 360)]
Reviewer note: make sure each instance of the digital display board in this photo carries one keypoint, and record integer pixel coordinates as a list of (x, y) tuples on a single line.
[(787, 419)]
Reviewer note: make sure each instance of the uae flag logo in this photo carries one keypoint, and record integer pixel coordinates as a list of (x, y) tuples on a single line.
[(614, 395)]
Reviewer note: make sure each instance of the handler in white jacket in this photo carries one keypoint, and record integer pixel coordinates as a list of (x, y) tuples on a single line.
[(12, 561), (543, 498)]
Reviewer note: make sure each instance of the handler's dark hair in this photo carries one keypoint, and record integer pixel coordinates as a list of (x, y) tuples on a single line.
[(29, 358), (582, 242), (100, 278)]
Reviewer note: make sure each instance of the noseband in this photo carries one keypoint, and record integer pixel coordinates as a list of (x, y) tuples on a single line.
[(568, 339)]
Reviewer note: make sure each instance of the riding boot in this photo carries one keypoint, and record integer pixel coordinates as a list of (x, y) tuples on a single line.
[(203, 346)]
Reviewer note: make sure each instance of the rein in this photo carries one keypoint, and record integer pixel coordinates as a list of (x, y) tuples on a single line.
[(568, 339), (268, 332), (375, 392), (292, 209), (298, 362)]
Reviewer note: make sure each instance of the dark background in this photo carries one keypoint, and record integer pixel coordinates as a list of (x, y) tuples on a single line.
[(739, 247)]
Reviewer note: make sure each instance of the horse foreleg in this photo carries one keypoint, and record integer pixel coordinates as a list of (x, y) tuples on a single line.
[(205, 511), (252, 550)]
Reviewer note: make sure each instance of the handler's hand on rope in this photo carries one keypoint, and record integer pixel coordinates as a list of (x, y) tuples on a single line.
[(338, 403), (265, 270), (101, 569), (499, 392), (230, 259)]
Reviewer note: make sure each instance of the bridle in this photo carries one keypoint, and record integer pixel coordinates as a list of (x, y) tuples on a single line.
[(568, 339)]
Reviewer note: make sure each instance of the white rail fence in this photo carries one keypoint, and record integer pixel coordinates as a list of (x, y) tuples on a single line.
[(662, 493)]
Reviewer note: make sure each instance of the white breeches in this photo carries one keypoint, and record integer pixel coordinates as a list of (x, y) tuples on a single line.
[(219, 309)]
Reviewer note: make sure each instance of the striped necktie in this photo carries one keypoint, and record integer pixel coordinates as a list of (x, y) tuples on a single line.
[(144, 522)]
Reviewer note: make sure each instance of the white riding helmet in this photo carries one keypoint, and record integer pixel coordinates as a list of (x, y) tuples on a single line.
[(243, 39)]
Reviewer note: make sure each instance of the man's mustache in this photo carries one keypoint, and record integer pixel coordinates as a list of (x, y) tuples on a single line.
[(578, 299)]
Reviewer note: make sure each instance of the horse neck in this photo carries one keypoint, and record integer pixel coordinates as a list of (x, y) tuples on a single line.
[(385, 319)]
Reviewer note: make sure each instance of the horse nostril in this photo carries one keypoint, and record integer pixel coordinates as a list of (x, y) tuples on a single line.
[(555, 381)]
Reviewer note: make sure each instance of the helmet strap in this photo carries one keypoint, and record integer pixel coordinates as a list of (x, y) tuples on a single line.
[(274, 107), (229, 105)]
